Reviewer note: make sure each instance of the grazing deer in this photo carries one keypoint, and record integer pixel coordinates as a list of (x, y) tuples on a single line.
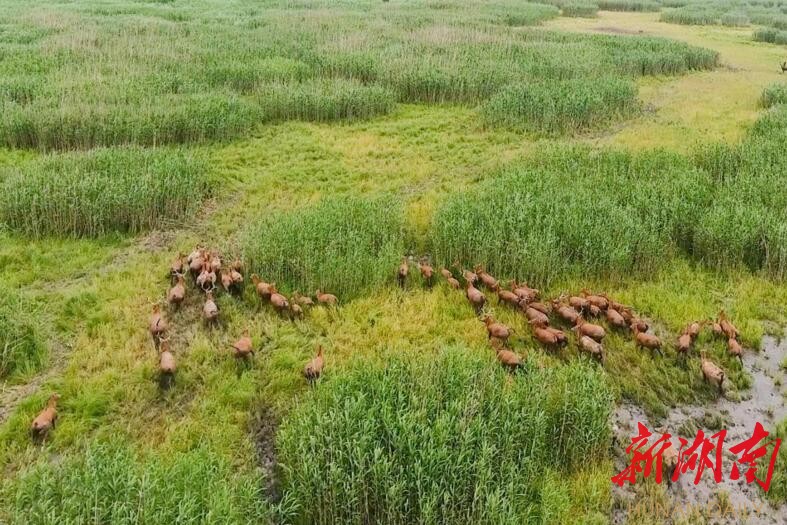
[(784, 66)]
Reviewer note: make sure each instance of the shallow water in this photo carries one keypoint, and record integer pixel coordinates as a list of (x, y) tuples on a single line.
[(763, 402)]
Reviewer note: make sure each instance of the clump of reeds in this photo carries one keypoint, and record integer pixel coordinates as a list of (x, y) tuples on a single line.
[(579, 9), (89, 194), (574, 212), (341, 245), (325, 100), (629, 5), (106, 483), (450, 438), (22, 350), (562, 107), (774, 94)]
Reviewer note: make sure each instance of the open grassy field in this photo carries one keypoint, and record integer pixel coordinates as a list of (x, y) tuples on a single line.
[(319, 142)]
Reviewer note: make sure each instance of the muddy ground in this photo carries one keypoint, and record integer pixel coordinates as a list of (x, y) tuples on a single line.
[(742, 503)]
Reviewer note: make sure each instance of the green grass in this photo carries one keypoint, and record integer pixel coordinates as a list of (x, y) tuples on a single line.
[(533, 222), (719, 207), (192, 449), (778, 491), (735, 19), (75, 77), (170, 119), (126, 190), (774, 94), (731, 13), (562, 107), (345, 246), (22, 350), (771, 36), (324, 101), (629, 5), (689, 16), (584, 10), (449, 439), (109, 483)]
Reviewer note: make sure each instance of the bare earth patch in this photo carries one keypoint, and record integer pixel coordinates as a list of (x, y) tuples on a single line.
[(263, 431), (617, 30)]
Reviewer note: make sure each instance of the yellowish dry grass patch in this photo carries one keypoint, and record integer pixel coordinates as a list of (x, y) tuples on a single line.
[(715, 105)]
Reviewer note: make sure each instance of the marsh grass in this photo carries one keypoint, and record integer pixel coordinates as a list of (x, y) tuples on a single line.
[(325, 100), (731, 13), (562, 107), (687, 16), (629, 5), (22, 350), (771, 36), (579, 9), (344, 245), (108, 483), (76, 76), (94, 193), (778, 492), (574, 212), (450, 439), (570, 211), (774, 94), (746, 223), (735, 19)]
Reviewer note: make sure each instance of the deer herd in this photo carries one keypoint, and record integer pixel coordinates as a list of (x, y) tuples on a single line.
[(207, 270), (209, 275), (573, 312)]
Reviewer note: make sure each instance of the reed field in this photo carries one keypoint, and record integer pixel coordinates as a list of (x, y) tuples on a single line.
[(558, 107), (407, 443), (115, 486), (774, 94), (629, 5), (343, 245), (580, 9), (718, 207), (126, 190), (771, 35), (321, 144), (22, 349), (533, 223), (734, 13), (75, 77)]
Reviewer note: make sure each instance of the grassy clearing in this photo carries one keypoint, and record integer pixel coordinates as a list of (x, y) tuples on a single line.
[(344, 245), (409, 442), (102, 191), (76, 77), (22, 351), (109, 483)]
